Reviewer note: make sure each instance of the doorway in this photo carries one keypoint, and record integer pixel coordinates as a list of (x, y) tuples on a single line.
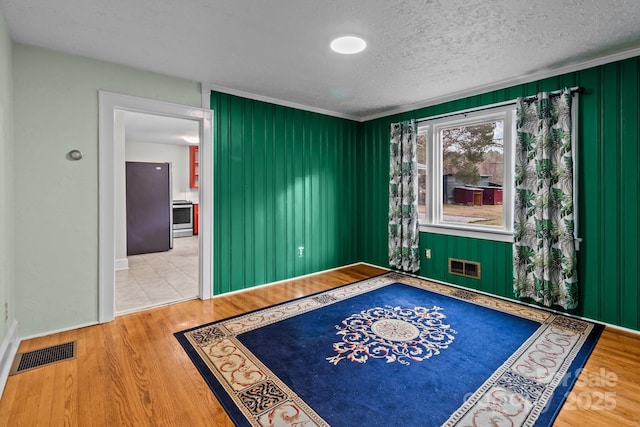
[(157, 256), (111, 163)]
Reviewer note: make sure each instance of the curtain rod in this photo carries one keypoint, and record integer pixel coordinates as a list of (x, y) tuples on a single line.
[(575, 89)]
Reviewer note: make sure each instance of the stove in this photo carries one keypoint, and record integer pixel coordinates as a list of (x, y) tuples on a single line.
[(182, 218)]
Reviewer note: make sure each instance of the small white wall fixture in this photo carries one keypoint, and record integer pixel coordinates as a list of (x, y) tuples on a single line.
[(109, 103)]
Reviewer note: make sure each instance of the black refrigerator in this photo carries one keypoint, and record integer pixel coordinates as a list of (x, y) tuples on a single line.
[(148, 196)]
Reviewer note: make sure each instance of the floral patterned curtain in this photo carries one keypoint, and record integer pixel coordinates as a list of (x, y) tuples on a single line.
[(543, 233), (404, 252)]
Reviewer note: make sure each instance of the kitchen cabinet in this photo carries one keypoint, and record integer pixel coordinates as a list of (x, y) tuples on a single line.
[(193, 166)]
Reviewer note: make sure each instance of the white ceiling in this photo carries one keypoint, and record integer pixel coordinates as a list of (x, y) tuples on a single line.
[(150, 128), (418, 52)]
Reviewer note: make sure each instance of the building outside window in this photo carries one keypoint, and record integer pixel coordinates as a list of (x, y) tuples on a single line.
[(465, 171)]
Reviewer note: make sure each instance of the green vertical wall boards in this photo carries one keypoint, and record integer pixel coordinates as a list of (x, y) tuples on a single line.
[(283, 179), (286, 178)]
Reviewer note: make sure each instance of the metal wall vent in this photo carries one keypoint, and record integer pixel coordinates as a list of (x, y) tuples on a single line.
[(45, 356), (464, 268)]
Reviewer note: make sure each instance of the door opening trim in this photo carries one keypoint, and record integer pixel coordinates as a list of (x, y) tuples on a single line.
[(108, 103)]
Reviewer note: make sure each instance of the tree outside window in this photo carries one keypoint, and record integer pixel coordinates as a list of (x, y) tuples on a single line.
[(465, 172)]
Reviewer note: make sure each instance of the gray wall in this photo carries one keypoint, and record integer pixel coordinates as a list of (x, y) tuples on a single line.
[(56, 214), (6, 181)]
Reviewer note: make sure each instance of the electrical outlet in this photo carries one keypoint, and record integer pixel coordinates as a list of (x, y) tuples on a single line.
[(300, 251), (427, 253)]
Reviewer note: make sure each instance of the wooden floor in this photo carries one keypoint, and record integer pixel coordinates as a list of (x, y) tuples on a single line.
[(133, 372)]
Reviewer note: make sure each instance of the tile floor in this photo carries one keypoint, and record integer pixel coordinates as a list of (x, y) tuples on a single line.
[(159, 278)]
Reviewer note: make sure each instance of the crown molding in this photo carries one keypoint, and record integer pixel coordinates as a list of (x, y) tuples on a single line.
[(502, 84), (262, 98)]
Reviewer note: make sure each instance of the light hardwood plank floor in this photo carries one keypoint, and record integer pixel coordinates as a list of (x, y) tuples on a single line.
[(133, 372)]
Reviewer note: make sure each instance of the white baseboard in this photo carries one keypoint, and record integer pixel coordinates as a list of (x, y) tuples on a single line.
[(296, 278), (372, 265), (57, 331), (122, 264), (8, 350)]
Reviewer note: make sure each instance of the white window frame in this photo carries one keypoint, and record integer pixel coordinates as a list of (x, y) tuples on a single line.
[(432, 222)]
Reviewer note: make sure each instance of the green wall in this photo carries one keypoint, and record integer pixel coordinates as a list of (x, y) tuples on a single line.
[(6, 182), (56, 209), (609, 183), (283, 178)]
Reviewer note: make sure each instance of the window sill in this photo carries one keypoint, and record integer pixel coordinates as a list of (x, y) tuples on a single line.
[(472, 232)]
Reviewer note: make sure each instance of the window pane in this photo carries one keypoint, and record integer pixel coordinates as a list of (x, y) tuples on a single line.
[(473, 174)]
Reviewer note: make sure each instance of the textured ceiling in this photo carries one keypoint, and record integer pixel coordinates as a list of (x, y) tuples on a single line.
[(417, 50)]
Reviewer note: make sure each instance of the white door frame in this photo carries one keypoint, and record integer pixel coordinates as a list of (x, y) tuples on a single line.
[(108, 102)]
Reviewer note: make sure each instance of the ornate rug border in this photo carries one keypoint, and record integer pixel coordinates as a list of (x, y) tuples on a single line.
[(219, 339)]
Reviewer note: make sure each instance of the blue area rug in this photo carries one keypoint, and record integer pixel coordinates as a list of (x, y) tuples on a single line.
[(392, 350)]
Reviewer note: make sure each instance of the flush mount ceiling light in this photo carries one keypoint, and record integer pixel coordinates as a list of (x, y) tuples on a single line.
[(191, 139), (348, 45)]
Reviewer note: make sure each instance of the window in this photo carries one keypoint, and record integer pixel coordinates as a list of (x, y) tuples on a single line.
[(465, 170)]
